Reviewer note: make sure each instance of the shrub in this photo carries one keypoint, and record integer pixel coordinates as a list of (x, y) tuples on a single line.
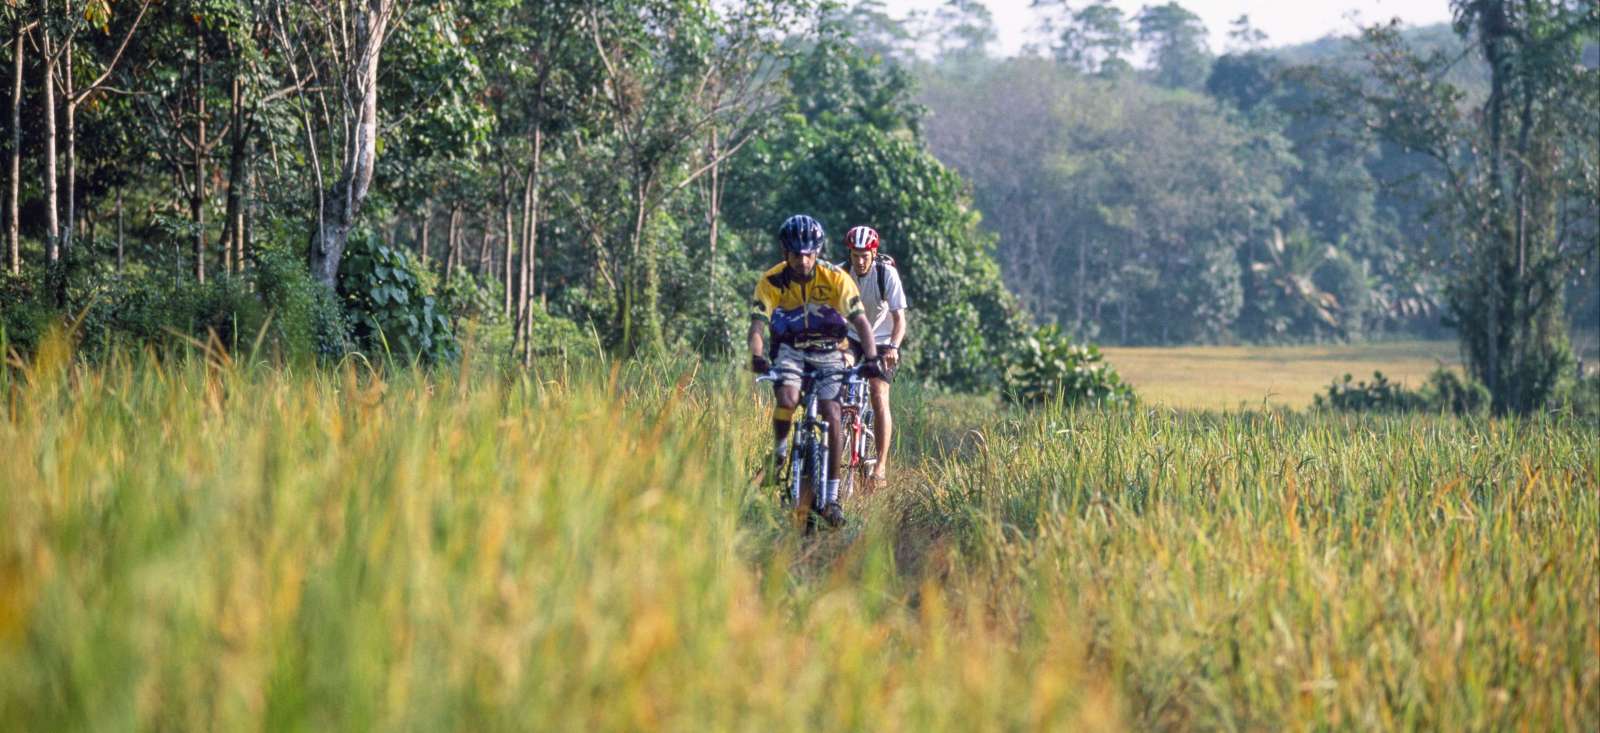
[(1379, 395), (25, 311), (1579, 397), (466, 298), (390, 309), (1444, 391), (553, 335), (1448, 391), (308, 320), (1051, 367)]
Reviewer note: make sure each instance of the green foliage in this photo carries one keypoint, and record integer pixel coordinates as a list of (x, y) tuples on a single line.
[(1379, 395), (1523, 207), (1444, 391), (1579, 397), (1448, 391), (556, 337), (1049, 369), (308, 320), (466, 298), (848, 154), (26, 311), (1121, 209), (392, 312)]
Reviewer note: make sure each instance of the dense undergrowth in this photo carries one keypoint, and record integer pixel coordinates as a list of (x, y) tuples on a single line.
[(203, 543)]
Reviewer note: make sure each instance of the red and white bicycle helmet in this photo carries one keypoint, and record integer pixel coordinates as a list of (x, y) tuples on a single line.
[(861, 238)]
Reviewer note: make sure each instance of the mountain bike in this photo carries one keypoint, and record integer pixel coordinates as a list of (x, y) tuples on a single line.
[(861, 450), (800, 479)]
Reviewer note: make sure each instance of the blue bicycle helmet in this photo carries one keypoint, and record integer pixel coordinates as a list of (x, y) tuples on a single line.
[(802, 234)]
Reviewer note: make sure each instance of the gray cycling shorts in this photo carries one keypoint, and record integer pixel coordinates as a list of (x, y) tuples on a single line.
[(791, 364)]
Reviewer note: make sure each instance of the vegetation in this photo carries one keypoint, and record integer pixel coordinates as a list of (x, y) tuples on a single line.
[(1445, 391), (1512, 168), (210, 542)]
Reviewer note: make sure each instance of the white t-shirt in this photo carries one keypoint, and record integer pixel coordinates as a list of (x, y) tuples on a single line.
[(894, 297)]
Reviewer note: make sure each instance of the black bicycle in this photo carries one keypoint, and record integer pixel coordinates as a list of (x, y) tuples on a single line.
[(801, 478)]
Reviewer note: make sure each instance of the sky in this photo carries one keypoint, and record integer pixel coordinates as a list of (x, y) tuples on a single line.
[(1284, 21)]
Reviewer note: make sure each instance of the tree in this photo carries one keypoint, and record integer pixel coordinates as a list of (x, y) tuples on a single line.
[(847, 152), (1521, 173), (21, 25), (966, 30), (1176, 42), (338, 44), (651, 82), (1097, 40)]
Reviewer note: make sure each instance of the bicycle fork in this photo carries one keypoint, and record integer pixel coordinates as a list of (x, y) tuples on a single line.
[(813, 457)]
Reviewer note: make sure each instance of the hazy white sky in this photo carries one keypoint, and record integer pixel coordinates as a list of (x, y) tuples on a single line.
[(1284, 21)]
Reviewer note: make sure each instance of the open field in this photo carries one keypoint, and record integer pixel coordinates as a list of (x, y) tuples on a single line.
[(205, 545), (1252, 376)]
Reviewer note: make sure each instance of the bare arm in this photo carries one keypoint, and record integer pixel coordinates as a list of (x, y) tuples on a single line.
[(757, 339), (897, 333), (869, 350)]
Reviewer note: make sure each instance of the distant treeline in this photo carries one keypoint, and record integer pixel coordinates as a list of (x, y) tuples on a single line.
[(1203, 198)]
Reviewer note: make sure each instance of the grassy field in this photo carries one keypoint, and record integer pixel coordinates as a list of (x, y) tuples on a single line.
[(206, 545), (1231, 377), (1253, 377)]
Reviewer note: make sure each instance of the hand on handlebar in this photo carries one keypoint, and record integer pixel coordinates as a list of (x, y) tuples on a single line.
[(760, 364)]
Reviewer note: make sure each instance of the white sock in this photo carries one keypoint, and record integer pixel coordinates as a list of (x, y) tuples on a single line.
[(780, 450), (832, 493)]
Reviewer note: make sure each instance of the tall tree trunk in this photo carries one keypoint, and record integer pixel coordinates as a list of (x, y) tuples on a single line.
[(453, 242), (233, 217), (342, 205), (427, 227), (119, 229), (511, 241), (482, 268), (197, 199), (12, 230), (71, 104), (528, 202), (714, 213), (530, 248), (52, 205)]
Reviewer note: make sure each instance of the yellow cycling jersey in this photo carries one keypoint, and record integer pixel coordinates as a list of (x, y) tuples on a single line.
[(809, 315)]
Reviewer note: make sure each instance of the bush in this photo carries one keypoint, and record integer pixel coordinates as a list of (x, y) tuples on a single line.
[(1579, 397), (553, 335), (465, 298), (1051, 367), (1444, 391), (1448, 391), (1379, 395), (390, 308), (308, 320), (25, 311)]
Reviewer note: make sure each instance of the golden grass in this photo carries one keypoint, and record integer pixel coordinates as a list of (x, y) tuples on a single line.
[(204, 545), (1231, 377)]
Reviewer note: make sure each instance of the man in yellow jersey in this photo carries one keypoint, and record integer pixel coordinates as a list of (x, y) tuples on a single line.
[(809, 306)]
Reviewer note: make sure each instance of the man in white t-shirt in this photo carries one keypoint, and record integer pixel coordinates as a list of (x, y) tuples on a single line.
[(878, 281)]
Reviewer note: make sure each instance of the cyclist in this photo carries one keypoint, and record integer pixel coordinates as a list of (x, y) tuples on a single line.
[(878, 282), (809, 306)]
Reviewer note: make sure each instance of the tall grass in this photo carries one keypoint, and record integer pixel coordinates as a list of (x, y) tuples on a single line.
[(203, 544)]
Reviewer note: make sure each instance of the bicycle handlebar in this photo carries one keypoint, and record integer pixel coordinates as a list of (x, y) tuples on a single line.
[(772, 375)]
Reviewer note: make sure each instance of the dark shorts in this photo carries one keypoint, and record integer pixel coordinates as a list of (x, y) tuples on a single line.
[(856, 355)]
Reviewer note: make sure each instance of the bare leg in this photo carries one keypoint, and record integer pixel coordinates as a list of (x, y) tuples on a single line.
[(788, 397), (830, 412), (882, 425)]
